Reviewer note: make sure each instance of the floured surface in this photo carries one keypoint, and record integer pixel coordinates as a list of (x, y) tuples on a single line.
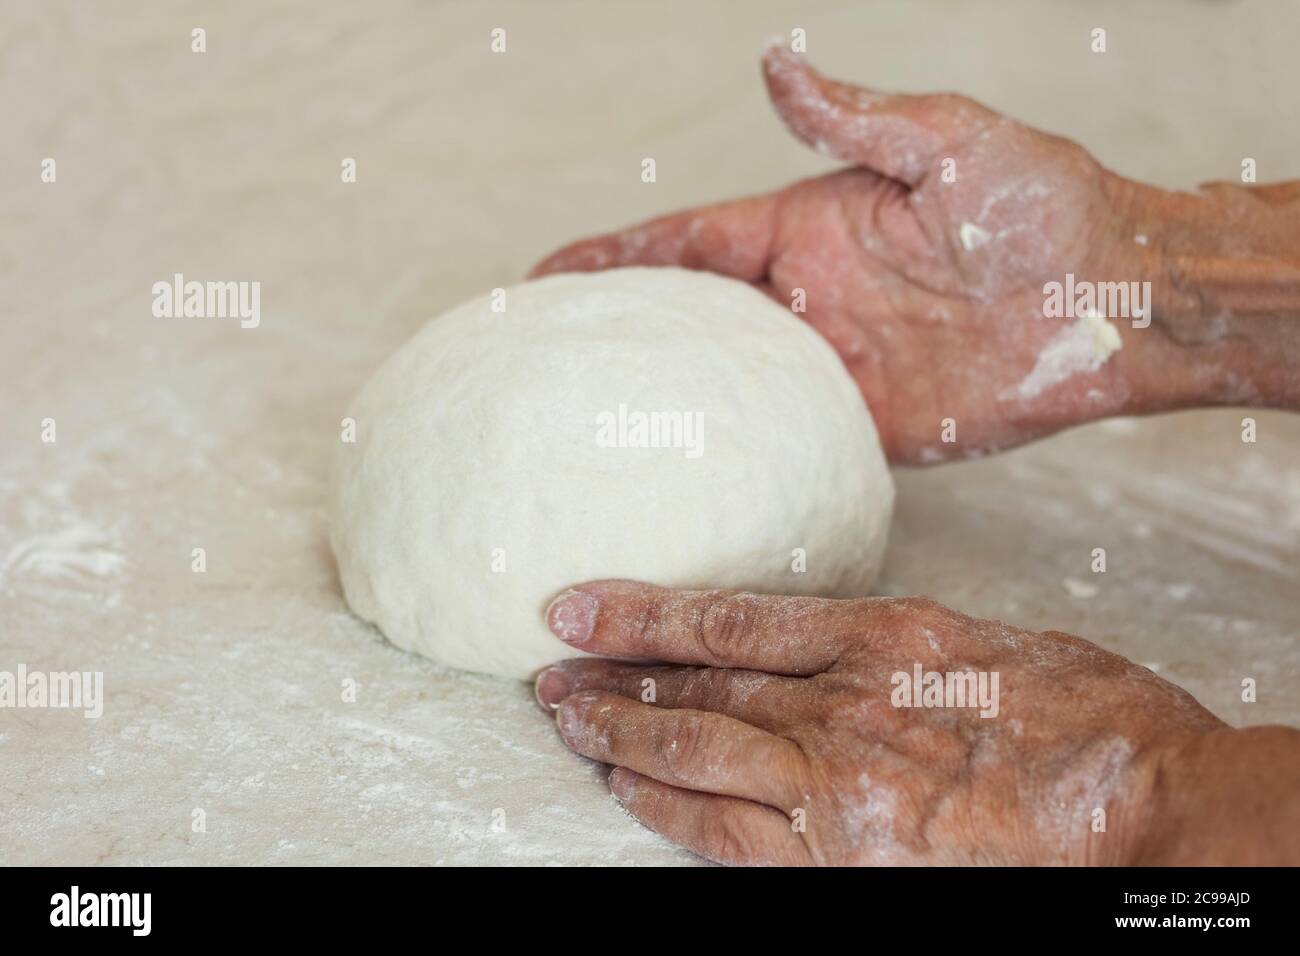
[(224, 689)]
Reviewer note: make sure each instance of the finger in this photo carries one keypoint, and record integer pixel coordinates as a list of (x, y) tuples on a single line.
[(721, 829), (1279, 194), (897, 135), (686, 748), (763, 700), (774, 633), (732, 238)]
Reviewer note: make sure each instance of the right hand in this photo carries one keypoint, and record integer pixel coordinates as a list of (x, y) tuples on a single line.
[(770, 711)]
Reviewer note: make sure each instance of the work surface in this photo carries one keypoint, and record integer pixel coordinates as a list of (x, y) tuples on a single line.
[(224, 690)]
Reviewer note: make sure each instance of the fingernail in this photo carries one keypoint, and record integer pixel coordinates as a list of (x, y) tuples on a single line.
[(552, 686), (569, 718), (572, 616), (622, 783)]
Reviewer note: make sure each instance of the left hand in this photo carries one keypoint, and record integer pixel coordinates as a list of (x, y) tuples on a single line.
[(778, 743), (929, 287)]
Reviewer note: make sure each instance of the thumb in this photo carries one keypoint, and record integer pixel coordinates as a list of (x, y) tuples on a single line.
[(897, 135)]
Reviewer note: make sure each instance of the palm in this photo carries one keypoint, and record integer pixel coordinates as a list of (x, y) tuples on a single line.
[(929, 328)]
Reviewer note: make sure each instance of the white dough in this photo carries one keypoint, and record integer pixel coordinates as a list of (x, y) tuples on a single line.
[(489, 473)]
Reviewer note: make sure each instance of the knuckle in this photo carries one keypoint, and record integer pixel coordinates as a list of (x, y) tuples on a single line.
[(959, 106), (938, 107), (918, 626), (901, 612), (928, 605), (723, 626), (925, 611), (647, 625), (685, 745), (948, 100), (730, 840)]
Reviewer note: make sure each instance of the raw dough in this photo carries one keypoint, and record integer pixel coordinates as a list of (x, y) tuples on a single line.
[(497, 460)]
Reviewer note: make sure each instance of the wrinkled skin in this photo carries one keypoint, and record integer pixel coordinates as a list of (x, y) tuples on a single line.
[(929, 328), (785, 706), (771, 736)]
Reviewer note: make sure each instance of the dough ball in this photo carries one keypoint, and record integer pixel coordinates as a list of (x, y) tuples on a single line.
[(671, 426)]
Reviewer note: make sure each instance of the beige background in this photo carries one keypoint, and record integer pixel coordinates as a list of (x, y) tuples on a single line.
[(223, 689)]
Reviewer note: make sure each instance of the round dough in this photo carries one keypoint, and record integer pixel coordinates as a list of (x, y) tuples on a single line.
[(492, 466)]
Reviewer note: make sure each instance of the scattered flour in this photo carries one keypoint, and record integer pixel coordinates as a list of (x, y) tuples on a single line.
[(1080, 589), (972, 236), (77, 549)]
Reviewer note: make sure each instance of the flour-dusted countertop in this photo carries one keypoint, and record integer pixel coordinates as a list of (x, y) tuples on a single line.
[(225, 690)]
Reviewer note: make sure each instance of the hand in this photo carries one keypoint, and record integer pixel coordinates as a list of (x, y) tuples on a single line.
[(930, 290), (783, 717)]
